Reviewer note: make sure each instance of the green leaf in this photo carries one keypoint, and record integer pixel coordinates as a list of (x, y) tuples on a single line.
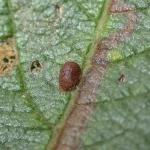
[(34, 113)]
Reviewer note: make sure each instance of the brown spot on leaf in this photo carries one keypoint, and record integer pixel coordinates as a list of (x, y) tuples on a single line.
[(7, 51)]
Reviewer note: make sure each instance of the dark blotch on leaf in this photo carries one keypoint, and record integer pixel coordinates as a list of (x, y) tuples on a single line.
[(5, 60), (122, 78), (4, 68), (69, 76), (12, 57), (57, 7), (35, 66)]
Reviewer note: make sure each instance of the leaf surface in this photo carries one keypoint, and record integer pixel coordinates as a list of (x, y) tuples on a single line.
[(52, 32)]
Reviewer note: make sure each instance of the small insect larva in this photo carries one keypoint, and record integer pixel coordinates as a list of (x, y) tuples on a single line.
[(69, 76)]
